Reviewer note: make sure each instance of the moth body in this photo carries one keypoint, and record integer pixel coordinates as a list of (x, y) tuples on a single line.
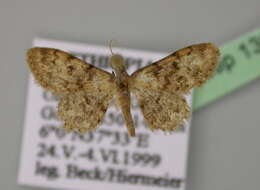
[(122, 92)]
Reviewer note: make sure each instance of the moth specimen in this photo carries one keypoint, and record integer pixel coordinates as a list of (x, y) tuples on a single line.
[(87, 91)]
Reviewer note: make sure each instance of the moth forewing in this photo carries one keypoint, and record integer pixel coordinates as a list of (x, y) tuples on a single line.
[(179, 72), (60, 72)]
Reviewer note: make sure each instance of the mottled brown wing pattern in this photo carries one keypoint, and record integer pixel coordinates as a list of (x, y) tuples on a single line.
[(179, 72), (63, 73), (85, 90), (162, 110), (160, 87), (83, 111)]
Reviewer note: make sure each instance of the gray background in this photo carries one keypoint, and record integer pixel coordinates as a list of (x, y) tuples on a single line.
[(224, 146)]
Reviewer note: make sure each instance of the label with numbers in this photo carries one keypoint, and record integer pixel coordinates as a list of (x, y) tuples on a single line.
[(239, 64), (107, 157)]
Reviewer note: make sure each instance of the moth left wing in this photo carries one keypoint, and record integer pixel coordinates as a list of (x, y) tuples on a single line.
[(82, 111), (62, 73), (179, 72), (86, 90)]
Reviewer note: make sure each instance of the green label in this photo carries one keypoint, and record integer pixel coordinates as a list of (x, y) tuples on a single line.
[(239, 64)]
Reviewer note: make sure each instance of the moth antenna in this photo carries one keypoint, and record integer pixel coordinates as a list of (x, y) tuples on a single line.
[(110, 46)]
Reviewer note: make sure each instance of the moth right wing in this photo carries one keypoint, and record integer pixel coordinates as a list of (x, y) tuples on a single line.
[(160, 87), (162, 110), (62, 73), (179, 72)]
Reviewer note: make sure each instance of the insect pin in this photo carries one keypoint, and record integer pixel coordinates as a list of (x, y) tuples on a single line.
[(86, 91)]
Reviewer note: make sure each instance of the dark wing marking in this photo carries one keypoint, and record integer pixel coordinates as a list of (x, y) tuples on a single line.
[(62, 73), (179, 72)]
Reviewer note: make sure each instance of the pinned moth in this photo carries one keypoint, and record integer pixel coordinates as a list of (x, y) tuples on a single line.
[(87, 91)]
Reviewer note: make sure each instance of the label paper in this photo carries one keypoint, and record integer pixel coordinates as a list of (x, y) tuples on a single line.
[(107, 158), (239, 64)]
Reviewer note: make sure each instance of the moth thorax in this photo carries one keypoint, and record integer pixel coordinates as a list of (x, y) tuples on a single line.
[(117, 62)]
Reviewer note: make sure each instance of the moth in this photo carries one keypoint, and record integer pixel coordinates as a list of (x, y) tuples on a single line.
[(86, 91)]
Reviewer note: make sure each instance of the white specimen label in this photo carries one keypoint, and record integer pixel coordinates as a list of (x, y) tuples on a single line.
[(108, 157)]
